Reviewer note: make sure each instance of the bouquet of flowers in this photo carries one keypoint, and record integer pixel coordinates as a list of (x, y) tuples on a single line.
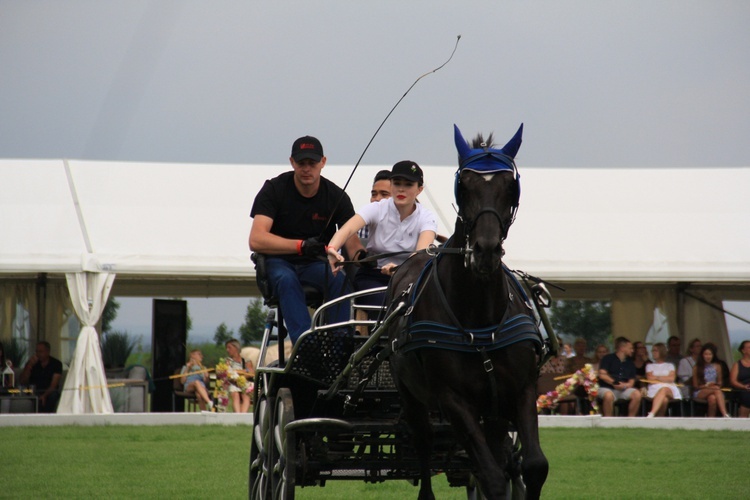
[(585, 377), (222, 370), (221, 395), (226, 376)]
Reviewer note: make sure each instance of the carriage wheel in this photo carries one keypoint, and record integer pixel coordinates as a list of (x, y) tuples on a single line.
[(516, 487), (259, 482), (284, 443), (472, 489)]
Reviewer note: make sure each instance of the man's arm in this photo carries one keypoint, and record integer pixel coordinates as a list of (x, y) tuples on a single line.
[(263, 241), (630, 383), (53, 385), (26, 373), (606, 377)]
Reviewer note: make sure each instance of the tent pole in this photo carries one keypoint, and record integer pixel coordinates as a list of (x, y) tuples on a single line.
[(681, 311), (41, 307)]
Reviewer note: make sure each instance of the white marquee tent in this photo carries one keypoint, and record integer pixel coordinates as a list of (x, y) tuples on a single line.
[(643, 238)]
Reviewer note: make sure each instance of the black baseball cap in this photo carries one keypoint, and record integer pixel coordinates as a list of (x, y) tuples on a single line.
[(307, 147), (408, 170)]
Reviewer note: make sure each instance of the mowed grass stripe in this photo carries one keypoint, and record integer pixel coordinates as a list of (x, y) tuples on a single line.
[(211, 462)]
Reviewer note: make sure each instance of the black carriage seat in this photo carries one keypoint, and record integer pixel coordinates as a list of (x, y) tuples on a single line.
[(313, 296)]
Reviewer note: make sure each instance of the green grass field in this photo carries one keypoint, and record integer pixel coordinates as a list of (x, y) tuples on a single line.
[(211, 462)]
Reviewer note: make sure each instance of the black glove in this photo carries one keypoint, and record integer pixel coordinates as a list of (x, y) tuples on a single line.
[(361, 254), (311, 247)]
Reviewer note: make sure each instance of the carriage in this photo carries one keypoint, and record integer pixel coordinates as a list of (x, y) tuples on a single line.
[(444, 381), (330, 411)]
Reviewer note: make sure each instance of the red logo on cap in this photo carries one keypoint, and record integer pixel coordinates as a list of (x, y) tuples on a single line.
[(307, 146)]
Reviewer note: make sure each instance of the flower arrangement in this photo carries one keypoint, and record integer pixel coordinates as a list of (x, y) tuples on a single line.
[(226, 376), (221, 395), (585, 377)]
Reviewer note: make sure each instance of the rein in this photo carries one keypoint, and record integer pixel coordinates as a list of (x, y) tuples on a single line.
[(432, 250)]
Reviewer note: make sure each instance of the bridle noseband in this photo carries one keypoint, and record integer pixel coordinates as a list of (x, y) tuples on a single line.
[(488, 161), (504, 164)]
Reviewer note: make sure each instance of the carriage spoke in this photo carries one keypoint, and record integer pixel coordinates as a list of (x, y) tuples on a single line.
[(516, 486), (259, 478), (284, 466)]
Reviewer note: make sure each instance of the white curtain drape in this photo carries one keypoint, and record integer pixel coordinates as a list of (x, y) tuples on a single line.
[(85, 389), (633, 312), (659, 331)]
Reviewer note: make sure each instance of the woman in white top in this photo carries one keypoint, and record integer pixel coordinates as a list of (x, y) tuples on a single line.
[(397, 224), (662, 374)]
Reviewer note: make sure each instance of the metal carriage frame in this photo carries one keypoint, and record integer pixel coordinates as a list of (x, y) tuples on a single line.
[(331, 411)]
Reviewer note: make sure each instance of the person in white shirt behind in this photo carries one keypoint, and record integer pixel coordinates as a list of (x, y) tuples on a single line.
[(381, 190), (685, 368)]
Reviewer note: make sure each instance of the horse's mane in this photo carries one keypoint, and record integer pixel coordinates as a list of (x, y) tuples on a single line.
[(476, 143)]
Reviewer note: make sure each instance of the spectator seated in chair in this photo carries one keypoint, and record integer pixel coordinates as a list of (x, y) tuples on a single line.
[(617, 379), (661, 375), (707, 382), (740, 379), (195, 384), (685, 368), (44, 372)]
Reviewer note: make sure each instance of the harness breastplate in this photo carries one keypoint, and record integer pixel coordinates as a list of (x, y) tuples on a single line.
[(430, 334)]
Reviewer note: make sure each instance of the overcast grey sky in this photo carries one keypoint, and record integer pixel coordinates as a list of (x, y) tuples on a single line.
[(597, 83)]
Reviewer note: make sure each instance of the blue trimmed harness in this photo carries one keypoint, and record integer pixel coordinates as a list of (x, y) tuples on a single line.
[(430, 334)]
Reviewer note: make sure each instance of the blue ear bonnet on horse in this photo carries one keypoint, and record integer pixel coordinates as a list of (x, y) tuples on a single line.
[(487, 160)]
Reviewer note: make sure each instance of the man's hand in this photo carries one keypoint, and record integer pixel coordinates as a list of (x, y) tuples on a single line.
[(31, 362), (311, 247)]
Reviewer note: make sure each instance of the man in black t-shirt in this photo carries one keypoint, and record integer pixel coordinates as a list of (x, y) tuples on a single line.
[(617, 377), (44, 373), (295, 215)]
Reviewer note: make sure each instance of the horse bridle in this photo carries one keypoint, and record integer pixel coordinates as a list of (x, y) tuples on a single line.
[(470, 225), (504, 163)]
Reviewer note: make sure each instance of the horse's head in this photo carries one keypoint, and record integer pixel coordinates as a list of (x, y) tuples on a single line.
[(487, 190)]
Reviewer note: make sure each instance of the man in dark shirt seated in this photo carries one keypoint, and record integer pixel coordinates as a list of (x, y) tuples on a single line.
[(294, 216), (617, 379), (44, 372)]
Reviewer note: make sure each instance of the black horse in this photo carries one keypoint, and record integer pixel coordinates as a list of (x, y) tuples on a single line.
[(468, 346)]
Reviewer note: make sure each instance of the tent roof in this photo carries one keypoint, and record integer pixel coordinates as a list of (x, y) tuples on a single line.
[(192, 220)]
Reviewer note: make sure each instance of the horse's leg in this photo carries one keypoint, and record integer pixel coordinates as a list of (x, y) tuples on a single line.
[(496, 436), (535, 466), (418, 418), (469, 432)]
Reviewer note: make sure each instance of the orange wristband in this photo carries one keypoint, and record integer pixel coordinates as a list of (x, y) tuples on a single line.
[(299, 247)]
